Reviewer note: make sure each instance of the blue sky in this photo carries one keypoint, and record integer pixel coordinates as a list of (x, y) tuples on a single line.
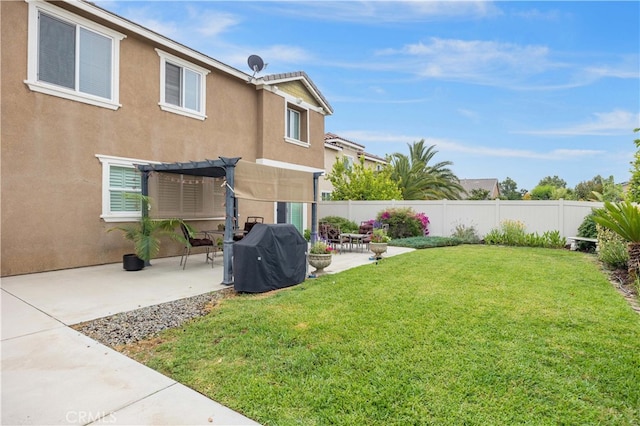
[(503, 89)]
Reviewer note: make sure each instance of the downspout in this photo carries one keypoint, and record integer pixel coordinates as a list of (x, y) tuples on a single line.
[(314, 208), (229, 219)]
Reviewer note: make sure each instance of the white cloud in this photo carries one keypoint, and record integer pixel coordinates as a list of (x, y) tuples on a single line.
[(388, 11), (617, 122), (472, 61), (367, 138), (211, 23)]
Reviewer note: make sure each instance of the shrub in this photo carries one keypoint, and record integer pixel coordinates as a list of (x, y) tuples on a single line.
[(587, 229), (466, 234), (344, 224), (512, 233), (612, 248), (404, 222), (426, 242)]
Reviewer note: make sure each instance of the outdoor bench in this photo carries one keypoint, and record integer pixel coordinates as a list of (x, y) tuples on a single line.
[(574, 241)]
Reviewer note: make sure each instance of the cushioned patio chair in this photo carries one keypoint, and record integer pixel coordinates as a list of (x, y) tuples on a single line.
[(209, 244)]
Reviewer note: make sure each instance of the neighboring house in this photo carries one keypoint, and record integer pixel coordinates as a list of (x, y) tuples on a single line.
[(490, 185), (87, 95), (337, 148)]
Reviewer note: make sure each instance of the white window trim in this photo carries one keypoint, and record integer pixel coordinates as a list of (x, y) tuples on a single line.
[(304, 130), (200, 115), (63, 92), (108, 161)]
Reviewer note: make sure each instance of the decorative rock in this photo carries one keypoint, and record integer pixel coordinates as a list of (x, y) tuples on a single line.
[(140, 324)]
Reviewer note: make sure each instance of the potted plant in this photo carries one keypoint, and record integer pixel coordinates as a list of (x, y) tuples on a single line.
[(145, 235), (379, 240), (320, 256)]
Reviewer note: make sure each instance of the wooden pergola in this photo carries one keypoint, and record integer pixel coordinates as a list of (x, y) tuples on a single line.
[(222, 167)]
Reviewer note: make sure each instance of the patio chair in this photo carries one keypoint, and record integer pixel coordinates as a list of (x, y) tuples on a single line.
[(191, 241), (366, 228), (248, 226), (335, 239)]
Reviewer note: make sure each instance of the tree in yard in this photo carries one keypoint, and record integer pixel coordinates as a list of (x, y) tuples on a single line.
[(584, 190), (599, 189), (359, 182), (554, 181), (509, 189), (542, 192), (623, 218), (479, 194), (419, 180), (633, 194)]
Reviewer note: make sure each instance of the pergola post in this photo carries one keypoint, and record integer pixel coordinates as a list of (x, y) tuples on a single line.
[(144, 202), (229, 220)]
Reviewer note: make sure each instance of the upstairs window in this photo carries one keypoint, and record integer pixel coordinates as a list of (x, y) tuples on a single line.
[(72, 57), (293, 124), (182, 86), (296, 125)]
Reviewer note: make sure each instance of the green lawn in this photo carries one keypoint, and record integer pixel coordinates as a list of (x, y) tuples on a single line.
[(478, 335)]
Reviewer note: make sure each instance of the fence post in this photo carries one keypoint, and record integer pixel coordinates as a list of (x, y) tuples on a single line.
[(561, 216)]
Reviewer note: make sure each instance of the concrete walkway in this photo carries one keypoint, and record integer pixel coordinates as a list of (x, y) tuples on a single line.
[(54, 375)]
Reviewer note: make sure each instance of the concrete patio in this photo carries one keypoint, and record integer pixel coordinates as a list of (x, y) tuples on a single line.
[(54, 375)]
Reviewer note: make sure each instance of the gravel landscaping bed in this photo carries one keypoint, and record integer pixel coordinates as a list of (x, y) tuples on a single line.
[(133, 326)]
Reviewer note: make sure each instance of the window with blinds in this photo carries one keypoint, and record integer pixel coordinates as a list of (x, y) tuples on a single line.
[(186, 197), (123, 183), (182, 86), (74, 57)]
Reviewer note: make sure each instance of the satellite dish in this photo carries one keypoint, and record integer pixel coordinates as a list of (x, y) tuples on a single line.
[(255, 63)]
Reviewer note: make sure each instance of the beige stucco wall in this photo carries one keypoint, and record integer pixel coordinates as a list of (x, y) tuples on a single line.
[(50, 176)]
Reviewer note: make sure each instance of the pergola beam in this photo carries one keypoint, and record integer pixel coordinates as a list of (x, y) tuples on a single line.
[(224, 167)]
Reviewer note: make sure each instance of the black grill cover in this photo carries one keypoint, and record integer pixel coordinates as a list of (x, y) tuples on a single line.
[(269, 257)]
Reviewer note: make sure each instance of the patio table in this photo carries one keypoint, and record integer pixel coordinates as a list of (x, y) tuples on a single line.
[(355, 239)]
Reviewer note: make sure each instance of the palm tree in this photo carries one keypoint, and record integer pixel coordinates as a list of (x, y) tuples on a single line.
[(623, 218), (418, 180)]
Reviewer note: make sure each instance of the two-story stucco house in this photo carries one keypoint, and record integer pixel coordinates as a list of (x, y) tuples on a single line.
[(87, 95), (337, 148)]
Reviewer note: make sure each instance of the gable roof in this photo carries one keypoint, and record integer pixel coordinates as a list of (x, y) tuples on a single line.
[(490, 184), (333, 140), (302, 77)]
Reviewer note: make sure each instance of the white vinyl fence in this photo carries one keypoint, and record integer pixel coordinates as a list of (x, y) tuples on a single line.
[(444, 215)]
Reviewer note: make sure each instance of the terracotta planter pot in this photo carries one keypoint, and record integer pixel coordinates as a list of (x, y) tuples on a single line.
[(319, 261)]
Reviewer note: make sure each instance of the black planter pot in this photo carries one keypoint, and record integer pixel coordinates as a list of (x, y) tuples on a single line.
[(131, 262)]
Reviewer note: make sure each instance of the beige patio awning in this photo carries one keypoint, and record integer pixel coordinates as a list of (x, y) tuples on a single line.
[(259, 182)]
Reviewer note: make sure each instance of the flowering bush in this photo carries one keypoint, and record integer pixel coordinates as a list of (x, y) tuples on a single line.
[(320, 247), (424, 220), (404, 222)]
